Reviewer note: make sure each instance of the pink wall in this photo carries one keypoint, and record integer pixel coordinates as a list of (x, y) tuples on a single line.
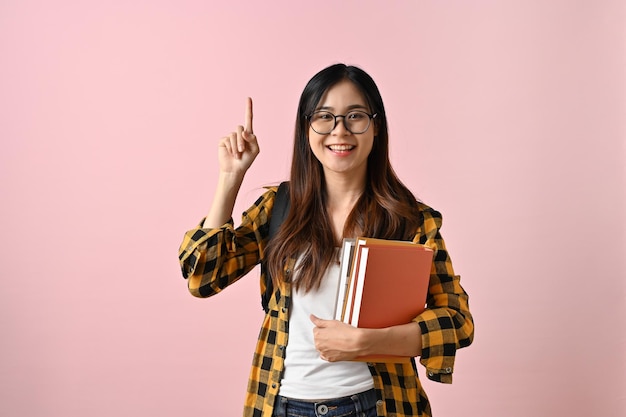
[(509, 117)]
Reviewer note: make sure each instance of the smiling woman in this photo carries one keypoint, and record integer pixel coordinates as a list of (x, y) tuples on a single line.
[(341, 186)]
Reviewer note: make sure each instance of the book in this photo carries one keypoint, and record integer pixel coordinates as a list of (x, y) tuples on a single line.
[(391, 286), (387, 285), (346, 258), (355, 264)]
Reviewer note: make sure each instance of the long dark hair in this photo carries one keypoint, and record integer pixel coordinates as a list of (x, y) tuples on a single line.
[(386, 209)]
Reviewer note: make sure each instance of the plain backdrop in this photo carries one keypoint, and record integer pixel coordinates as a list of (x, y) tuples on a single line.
[(506, 116)]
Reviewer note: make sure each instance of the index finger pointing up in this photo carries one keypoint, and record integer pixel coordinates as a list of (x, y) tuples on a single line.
[(248, 127)]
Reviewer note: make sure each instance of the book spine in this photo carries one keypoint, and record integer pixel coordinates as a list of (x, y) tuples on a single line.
[(358, 287)]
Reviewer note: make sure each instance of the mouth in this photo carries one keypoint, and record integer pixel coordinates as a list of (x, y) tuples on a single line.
[(341, 148)]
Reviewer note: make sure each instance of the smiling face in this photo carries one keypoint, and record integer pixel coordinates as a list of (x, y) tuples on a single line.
[(341, 152)]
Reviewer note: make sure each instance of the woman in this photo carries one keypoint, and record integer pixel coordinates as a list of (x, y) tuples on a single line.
[(341, 185)]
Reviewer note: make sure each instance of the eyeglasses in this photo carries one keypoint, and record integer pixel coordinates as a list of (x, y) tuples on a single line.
[(356, 121)]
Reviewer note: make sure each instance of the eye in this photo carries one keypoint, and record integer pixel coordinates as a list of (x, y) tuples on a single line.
[(356, 115), (322, 116)]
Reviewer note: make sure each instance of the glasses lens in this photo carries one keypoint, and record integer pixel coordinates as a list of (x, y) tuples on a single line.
[(323, 122), (357, 121)]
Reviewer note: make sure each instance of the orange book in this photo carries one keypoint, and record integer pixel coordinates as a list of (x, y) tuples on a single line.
[(354, 270), (390, 287)]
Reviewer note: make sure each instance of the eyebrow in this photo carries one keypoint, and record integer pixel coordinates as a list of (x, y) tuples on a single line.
[(350, 107)]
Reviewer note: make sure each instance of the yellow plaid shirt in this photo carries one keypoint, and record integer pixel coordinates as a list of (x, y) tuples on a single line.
[(212, 259)]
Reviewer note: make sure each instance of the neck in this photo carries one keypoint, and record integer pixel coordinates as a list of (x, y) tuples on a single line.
[(343, 192)]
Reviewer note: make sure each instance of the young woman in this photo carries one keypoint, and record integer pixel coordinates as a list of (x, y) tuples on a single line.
[(341, 185)]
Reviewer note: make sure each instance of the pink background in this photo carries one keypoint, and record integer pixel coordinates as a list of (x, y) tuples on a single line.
[(507, 116)]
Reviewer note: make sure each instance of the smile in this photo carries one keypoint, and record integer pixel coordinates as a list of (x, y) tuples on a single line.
[(341, 148)]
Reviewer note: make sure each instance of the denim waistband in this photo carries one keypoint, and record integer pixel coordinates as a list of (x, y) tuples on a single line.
[(358, 403)]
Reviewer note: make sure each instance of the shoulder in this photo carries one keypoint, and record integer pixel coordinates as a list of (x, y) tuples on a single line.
[(267, 197), (429, 214), (429, 223), (260, 211), (267, 201)]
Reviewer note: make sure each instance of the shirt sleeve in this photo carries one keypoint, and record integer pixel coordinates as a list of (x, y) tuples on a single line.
[(446, 324), (212, 259)]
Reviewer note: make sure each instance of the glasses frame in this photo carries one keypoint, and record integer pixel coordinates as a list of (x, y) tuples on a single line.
[(343, 116)]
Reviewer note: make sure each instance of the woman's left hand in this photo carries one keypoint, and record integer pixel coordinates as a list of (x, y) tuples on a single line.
[(335, 340)]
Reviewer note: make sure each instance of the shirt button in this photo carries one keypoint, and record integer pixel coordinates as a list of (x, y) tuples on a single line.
[(431, 373), (379, 403), (284, 310), (448, 370), (274, 385)]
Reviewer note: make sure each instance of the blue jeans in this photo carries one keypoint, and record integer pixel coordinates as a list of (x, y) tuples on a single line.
[(358, 405)]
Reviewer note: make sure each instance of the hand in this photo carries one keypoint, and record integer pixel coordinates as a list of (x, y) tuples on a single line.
[(237, 151), (335, 340)]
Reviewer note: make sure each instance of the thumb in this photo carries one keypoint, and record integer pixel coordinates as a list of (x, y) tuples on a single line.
[(317, 321), (248, 136)]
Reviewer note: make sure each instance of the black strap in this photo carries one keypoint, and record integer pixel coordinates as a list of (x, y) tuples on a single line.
[(279, 213)]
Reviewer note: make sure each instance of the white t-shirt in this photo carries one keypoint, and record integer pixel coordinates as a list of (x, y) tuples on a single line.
[(306, 376)]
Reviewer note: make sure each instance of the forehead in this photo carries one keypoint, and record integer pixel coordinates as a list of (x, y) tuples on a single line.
[(345, 94)]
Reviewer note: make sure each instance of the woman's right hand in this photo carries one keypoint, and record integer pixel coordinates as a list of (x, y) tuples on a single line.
[(237, 151)]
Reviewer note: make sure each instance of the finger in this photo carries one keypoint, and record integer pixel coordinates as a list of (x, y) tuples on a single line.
[(225, 142), (241, 143), (232, 145), (248, 126)]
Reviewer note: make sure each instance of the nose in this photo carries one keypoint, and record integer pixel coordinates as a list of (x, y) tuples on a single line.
[(340, 126)]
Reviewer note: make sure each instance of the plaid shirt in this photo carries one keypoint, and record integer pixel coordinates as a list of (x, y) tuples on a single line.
[(212, 259)]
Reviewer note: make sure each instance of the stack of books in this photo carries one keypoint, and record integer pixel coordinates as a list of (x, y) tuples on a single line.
[(382, 283)]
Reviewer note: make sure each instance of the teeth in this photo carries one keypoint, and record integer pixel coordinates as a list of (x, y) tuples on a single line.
[(341, 147)]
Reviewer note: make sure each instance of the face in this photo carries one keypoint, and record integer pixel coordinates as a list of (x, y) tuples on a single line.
[(341, 152)]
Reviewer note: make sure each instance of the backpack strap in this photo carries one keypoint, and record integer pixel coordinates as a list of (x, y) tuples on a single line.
[(279, 213)]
